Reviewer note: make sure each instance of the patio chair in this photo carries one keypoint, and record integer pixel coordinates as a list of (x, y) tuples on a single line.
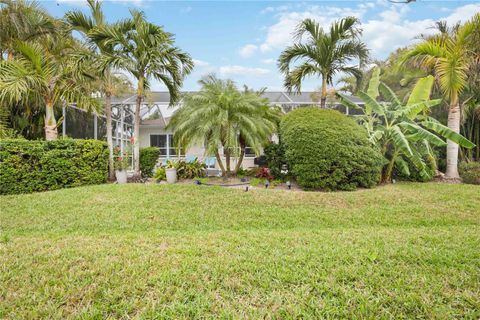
[(190, 158), (210, 163)]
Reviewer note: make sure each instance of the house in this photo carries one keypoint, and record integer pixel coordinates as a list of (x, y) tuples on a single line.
[(156, 113)]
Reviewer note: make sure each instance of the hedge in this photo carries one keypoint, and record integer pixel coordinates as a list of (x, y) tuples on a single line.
[(327, 150), (29, 166), (470, 172), (148, 160)]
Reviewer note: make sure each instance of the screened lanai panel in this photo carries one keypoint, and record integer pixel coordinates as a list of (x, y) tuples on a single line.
[(79, 124)]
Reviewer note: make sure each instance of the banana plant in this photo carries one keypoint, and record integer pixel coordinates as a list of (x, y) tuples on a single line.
[(403, 132)]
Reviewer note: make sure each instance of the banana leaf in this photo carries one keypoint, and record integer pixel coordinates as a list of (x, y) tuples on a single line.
[(389, 95), (421, 91), (400, 141), (448, 133), (420, 133), (372, 90), (371, 104)]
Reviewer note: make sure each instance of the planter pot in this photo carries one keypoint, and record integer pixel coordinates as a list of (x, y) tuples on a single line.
[(171, 175), (121, 176)]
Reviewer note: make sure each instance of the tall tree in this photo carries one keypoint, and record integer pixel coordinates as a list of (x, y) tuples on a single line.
[(221, 115), (107, 81), (449, 55), (323, 54), (47, 73), (147, 52)]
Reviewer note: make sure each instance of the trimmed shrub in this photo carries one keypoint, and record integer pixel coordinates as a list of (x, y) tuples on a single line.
[(328, 150), (29, 166), (275, 159), (470, 172), (148, 160)]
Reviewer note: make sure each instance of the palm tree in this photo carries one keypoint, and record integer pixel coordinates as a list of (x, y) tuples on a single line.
[(107, 81), (450, 57), (147, 52), (323, 53), (44, 73), (221, 115), (403, 132), (22, 21)]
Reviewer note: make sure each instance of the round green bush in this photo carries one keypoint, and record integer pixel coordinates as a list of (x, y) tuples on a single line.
[(328, 150)]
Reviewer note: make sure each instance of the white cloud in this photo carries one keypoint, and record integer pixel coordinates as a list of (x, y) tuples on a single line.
[(392, 28), (186, 9), (279, 35), (268, 61), (242, 71), (200, 63), (248, 50)]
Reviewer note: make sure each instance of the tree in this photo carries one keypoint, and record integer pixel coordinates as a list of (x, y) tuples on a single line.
[(21, 21), (44, 73), (449, 56), (108, 82), (403, 132), (147, 52), (221, 115), (323, 53)]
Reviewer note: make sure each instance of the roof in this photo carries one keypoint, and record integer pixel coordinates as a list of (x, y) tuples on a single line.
[(280, 97)]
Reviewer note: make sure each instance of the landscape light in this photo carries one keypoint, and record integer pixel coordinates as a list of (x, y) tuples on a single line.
[(289, 185), (246, 188), (267, 183)]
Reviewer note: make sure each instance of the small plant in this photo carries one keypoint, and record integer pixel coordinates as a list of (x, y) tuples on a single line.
[(120, 160), (256, 181), (171, 164), (160, 174), (190, 170), (264, 173)]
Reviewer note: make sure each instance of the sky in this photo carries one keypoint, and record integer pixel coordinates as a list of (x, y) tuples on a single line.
[(241, 40)]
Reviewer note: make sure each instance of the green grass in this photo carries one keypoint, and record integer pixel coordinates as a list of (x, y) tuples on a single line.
[(184, 251)]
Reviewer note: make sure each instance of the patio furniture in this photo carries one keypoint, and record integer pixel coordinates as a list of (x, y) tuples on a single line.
[(190, 158)]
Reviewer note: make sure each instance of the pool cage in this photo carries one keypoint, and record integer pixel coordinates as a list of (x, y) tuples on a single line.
[(79, 124)]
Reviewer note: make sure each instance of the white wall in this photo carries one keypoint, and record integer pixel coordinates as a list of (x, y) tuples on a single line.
[(196, 150)]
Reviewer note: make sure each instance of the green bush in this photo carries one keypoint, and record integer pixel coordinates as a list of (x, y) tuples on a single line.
[(327, 150), (470, 172), (160, 174), (29, 166), (190, 170), (148, 160), (275, 154)]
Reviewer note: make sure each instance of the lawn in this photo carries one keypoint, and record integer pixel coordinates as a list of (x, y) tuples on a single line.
[(184, 251)]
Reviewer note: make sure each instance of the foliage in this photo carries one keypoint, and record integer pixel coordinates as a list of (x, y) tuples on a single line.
[(147, 52), (470, 172), (160, 174), (275, 155), (120, 160), (403, 132), (264, 173), (323, 53), (148, 160), (190, 170), (222, 115), (29, 166), (449, 55), (327, 150)]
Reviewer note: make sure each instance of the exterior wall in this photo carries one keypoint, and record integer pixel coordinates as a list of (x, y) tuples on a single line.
[(196, 150)]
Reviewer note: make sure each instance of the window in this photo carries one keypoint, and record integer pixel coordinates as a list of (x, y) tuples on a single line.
[(159, 141), (249, 152), (166, 145)]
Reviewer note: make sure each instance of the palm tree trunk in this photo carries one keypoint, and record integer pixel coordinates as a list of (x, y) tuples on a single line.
[(136, 130), (242, 155), (227, 161), (323, 96), (220, 163), (108, 114), (452, 147), (51, 132)]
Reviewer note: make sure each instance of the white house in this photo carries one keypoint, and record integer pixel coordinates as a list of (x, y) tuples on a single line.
[(153, 133)]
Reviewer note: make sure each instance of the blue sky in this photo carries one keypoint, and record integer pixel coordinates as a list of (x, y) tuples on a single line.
[(242, 40)]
